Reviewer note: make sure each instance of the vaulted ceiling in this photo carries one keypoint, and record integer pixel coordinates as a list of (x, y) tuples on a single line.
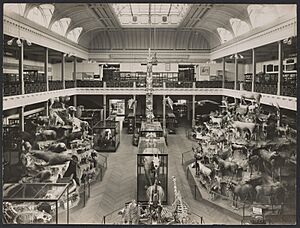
[(102, 30)]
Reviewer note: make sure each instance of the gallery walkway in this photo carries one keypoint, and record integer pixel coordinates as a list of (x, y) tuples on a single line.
[(119, 184)]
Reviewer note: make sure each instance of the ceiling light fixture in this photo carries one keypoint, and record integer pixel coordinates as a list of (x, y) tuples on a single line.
[(236, 56), (18, 41), (288, 41)]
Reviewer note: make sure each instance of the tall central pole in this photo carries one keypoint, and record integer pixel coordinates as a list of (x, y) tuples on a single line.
[(149, 79), (149, 90)]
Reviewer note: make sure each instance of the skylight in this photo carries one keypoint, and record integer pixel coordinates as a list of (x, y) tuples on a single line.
[(162, 15)]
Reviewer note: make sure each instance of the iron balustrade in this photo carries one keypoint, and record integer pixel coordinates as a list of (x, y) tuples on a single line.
[(70, 84), (289, 90), (229, 84), (55, 85), (122, 84), (208, 84), (35, 87), (89, 83), (179, 84), (266, 88), (11, 89)]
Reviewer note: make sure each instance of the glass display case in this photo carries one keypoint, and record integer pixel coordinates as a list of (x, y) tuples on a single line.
[(154, 128), (130, 123), (106, 136), (171, 123), (143, 174), (36, 203)]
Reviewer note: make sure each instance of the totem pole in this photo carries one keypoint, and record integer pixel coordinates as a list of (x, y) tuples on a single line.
[(149, 88)]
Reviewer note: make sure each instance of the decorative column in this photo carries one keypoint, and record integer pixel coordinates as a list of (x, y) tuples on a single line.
[(134, 106), (164, 111), (46, 108), (21, 69), (253, 70), (149, 89), (104, 108), (224, 71), (46, 69), (193, 111), (75, 71), (236, 72), (21, 118), (63, 70), (74, 79), (280, 67)]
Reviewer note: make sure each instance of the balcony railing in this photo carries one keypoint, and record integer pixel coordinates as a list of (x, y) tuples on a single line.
[(126, 84), (70, 84), (261, 87), (179, 84), (229, 84), (13, 88), (55, 85), (89, 83), (289, 90), (209, 84), (35, 87)]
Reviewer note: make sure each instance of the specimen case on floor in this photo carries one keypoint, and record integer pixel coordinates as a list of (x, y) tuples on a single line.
[(36, 203), (106, 136)]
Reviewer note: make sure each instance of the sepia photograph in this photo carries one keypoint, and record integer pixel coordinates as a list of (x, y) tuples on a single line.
[(149, 113)]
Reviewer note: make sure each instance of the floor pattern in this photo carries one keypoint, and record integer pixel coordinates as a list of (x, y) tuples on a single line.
[(119, 184)]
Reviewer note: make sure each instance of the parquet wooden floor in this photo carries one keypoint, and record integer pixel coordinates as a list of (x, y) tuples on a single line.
[(119, 184)]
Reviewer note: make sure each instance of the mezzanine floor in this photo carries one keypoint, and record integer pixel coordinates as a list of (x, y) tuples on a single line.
[(119, 184)]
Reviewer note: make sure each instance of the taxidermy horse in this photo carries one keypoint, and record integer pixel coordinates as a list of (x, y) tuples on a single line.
[(243, 191), (225, 166), (274, 159), (275, 193), (151, 166)]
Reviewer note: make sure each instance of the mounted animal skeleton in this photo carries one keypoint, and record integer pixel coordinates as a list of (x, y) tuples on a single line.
[(151, 167)]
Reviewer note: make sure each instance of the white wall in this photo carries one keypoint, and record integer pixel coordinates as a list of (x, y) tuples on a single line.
[(137, 67), (213, 68), (14, 61), (91, 68)]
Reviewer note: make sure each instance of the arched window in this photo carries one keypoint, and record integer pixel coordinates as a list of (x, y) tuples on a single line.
[(61, 26), (47, 11), (74, 34), (224, 34), (14, 7), (36, 16), (239, 27), (262, 14)]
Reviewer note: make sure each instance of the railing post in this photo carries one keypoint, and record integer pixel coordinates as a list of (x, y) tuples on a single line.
[(101, 173), (84, 186), (104, 84), (194, 85)]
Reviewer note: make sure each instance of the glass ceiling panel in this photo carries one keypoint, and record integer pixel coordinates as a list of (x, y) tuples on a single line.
[(162, 15)]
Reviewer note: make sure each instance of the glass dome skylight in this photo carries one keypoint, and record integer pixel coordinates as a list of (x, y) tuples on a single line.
[(162, 15)]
